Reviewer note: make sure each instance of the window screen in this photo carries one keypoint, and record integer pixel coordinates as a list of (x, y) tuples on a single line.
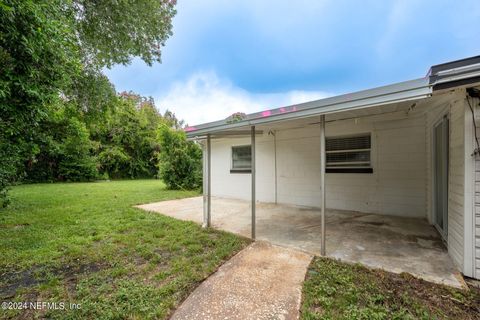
[(349, 154), (241, 158)]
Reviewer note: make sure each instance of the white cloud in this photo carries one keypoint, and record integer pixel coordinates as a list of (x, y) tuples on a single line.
[(205, 97)]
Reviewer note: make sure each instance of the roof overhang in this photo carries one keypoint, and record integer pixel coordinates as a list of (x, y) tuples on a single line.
[(459, 73), (448, 75)]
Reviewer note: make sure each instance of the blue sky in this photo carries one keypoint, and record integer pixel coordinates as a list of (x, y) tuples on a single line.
[(229, 56)]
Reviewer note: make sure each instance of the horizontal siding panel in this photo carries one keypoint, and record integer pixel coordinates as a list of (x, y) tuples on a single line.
[(456, 238), (456, 256), (456, 183), (455, 224), (477, 206)]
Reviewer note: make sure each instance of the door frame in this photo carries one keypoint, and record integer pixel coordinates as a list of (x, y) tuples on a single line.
[(440, 119)]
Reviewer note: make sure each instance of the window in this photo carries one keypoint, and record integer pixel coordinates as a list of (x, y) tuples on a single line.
[(349, 154), (241, 159)]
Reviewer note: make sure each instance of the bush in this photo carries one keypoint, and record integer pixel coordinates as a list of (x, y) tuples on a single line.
[(8, 169), (77, 163), (114, 162), (64, 151), (180, 161), (127, 138)]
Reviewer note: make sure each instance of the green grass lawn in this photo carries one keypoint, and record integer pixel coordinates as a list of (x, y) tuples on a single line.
[(84, 243), (337, 290)]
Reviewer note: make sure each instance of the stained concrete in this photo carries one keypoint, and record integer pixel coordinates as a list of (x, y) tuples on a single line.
[(263, 281), (396, 244)]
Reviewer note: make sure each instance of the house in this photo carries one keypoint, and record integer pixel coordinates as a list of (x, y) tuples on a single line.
[(407, 150)]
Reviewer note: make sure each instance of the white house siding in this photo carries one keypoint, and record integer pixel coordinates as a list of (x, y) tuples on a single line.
[(477, 195), (456, 208), (238, 185), (477, 209), (396, 187), (298, 163), (401, 167), (461, 171)]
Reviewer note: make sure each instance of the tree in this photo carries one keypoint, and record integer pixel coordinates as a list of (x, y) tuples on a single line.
[(38, 58), (93, 94), (180, 160), (112, 32), (52, 51), (128, 144), (65, 151), (172, 121), (76, 160)]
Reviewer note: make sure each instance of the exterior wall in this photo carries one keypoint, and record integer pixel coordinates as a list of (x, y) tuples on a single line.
[(396, 187), (456, 184), (238, 185), (298, 163), (477, 194), (468, 190), (460, 196)]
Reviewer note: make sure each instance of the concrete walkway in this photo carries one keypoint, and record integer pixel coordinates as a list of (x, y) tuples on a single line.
[(263, 281)]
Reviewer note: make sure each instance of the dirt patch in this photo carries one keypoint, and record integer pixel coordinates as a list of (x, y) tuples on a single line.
[(21, 226), (15, 280), (455, 304)]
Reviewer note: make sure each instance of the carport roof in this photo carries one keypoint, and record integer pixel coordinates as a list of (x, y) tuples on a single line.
[(442, 76)]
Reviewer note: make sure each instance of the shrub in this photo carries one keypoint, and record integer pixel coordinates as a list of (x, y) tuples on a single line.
[(114, 161), (8, 170), (64, 151), (77, 163), (180, 161)]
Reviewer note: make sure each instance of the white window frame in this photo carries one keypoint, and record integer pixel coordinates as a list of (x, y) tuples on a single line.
[(353, 166), (240, 170)]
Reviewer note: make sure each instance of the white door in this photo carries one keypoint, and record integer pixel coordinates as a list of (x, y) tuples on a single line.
[(440, 176)]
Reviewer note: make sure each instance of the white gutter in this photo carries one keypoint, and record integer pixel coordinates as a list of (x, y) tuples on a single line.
[(403, 91)]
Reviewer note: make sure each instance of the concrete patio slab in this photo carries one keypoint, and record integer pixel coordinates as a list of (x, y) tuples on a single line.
[(262, 281), (396, 244)]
